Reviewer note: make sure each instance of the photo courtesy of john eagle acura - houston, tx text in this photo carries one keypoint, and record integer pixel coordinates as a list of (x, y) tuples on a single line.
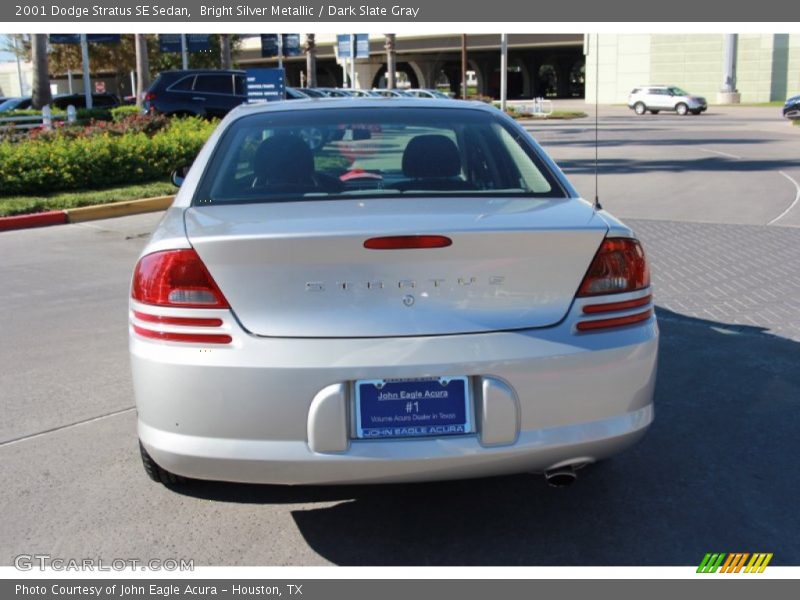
[(419, 294)]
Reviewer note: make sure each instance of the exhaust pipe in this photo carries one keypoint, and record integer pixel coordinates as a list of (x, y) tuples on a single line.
[(560, 477)]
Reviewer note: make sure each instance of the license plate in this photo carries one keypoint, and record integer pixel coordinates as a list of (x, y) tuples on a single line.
[(398, 408)]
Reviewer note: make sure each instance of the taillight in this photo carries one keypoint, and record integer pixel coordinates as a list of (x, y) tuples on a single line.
[(619, 266), (149, 96), (406, 242), (175, 278)]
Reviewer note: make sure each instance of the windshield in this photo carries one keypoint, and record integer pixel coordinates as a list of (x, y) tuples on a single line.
[(372, 152), (676, 91)]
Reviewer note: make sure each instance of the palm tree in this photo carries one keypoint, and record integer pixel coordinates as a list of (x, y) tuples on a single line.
[(41, 72), (225, 61)]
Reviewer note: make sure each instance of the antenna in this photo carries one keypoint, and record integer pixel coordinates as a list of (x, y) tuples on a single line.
[(597, 204)]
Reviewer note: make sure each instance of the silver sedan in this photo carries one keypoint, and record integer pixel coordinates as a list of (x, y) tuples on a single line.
[(422, 297)]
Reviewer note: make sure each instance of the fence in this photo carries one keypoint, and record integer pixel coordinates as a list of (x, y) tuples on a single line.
[(45, 119)]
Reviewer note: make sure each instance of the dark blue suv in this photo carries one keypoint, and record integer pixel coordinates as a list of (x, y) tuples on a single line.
[(200, 92)]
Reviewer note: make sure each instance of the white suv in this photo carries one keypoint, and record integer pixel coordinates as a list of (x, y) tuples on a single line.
[(656, 98)]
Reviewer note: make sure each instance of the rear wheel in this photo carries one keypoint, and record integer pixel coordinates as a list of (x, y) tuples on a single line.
[(681, 109), (639, 108), (155, 472)]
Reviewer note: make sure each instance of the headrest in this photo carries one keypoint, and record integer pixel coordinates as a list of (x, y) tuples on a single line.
[(283, 159), (431, 157)]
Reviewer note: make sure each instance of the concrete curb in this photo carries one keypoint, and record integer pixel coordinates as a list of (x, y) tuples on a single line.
[(118, 209), (52, 217), (86, 213)]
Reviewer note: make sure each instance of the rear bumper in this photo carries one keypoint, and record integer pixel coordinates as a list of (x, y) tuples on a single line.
[(269, 410), (292, 462)]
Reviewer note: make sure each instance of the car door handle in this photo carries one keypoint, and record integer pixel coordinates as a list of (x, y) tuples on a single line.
[(198, 98)]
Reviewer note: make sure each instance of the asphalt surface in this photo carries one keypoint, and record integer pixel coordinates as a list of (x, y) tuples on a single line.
[(717, 472)]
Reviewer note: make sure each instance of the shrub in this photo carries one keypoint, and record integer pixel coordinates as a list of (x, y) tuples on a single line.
[(121, 112), (101, 155), (85, 115)]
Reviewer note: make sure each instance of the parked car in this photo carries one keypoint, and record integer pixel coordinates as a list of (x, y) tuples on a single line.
[(427, 93), (104, 100), (312, 92), (198, 92), (344, 92), (393, 307), (201, 92), (791, 110), (15, 104), (296, 94), (655, 98), (395, 93)]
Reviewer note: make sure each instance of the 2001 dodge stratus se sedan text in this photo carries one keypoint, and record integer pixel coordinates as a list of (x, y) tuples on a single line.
[(384, 290)]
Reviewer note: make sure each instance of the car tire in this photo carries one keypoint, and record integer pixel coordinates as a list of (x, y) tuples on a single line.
[(155, 472), (654, 112), (681, 108), (639, 108)]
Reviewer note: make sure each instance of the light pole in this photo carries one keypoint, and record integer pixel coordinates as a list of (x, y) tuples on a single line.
[(311, 59), (391, 65), (503, 71), (87, 83), (142, 68), (463, 66), (19, 67), (352, 61), (184, 52)]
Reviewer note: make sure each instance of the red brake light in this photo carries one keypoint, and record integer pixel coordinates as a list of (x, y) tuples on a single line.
[(149, 96), (615, 321), (619, 266), (175, 278), (194, 338), (404, 242)]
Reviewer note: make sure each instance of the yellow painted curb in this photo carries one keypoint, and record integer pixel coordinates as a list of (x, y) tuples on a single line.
[(118, 209)]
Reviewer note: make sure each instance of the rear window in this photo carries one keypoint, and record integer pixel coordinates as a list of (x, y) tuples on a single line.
[(215, 84), (373, 153), (183, 85)]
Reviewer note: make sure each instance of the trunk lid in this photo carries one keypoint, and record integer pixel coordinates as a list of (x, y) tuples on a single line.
[(300, 269)]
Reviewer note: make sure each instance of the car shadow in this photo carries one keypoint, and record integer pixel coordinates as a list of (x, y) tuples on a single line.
[(621, 166), (716, 472)]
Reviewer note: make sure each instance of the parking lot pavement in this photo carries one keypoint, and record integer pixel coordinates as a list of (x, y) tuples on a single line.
[(716, 472), (737, 275), (735, 165)]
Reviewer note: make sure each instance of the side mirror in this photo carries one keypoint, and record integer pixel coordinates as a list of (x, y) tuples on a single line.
[(179, 175)]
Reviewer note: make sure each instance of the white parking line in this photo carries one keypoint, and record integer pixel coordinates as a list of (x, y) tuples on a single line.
[(68, 426), (728, 154), (793, 204)]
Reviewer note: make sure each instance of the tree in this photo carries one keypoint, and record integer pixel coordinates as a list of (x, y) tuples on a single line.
[(41, 73), (225, 61)]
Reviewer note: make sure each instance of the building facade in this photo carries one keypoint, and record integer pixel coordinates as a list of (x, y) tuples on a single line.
[(767, 66)]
